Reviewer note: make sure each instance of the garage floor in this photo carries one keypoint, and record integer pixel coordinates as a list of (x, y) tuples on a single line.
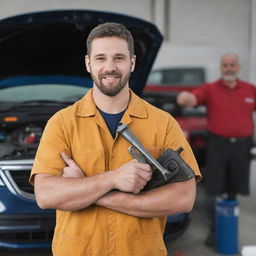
[(191, 243)]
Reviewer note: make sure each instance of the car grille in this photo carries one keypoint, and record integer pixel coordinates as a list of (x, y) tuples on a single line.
[(15, 175), (21, 179)]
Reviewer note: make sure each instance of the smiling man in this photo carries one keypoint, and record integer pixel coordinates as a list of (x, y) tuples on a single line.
[(110, 76), (230, 103), (83, 168)]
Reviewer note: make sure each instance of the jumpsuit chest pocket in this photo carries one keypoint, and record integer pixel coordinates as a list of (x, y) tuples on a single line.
[(155, 152), (91, 161)]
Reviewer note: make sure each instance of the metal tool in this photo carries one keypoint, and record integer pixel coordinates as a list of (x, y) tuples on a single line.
[(130, 137)]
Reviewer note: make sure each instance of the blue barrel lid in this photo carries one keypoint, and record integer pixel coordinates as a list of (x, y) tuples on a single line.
[(225, 202)]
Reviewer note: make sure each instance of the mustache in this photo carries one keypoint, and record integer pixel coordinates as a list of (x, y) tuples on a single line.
[(112, 73), (229, 73)]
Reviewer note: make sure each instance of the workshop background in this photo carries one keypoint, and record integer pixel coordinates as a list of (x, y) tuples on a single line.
[(196, 33)]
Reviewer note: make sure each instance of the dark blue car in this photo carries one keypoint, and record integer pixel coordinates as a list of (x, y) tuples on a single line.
[(41, 71)]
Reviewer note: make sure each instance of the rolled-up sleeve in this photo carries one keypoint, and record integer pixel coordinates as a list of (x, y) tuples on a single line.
[(52, 143)]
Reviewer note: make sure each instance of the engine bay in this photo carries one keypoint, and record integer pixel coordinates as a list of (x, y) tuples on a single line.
[(20, 142)]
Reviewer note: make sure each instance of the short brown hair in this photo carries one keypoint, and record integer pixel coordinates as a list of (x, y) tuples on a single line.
[(110, 29)]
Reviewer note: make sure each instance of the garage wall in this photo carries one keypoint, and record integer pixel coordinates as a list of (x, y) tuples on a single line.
[(197, 32), (202, 30), (139, 8), (252, 57)]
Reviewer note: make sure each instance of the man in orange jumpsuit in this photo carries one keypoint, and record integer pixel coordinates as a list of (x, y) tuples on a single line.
[(101, 209)]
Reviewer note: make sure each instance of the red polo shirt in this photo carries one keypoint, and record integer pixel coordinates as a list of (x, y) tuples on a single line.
[(230, 111)]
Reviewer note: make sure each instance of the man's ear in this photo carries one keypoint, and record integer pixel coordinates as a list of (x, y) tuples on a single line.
[(133, 61), (239, 67), (87, 63)]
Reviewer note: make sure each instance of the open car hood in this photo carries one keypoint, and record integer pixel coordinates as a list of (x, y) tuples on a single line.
[(53, 43)]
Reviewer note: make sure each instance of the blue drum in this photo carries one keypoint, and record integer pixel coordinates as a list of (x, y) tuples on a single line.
[(227, 212)]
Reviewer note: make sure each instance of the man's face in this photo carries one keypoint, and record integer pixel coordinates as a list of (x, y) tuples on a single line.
[(110, 64), (229, 67)]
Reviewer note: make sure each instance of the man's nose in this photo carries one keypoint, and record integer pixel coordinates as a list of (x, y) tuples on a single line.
[(110, 65)]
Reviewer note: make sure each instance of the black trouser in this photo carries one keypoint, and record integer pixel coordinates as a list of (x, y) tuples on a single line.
[(227, 165), (227, 169)]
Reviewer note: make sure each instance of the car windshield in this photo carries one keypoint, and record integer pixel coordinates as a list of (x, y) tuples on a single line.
[(177, 77), (178, 111), (42, 92)]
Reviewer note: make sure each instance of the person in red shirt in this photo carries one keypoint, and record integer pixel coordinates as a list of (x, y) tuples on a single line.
[(230, 104)]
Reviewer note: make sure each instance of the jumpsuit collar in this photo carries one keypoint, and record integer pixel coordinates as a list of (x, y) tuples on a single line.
[(87, 107)]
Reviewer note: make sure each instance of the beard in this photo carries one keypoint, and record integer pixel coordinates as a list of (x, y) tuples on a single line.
[(229, 77), (114, 89)]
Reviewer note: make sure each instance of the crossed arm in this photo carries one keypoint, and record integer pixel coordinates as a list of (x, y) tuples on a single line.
[(73, 191), (162, 201)]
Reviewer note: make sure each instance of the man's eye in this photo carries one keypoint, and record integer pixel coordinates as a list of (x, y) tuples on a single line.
[(99, 58), (119, 58)]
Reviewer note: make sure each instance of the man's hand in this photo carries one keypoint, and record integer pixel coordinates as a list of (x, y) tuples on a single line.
[(132, 176), (186, 99), (72, 170)]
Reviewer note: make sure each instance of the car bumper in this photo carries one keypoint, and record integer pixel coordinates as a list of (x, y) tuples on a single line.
[(22, 223), (26, 231)]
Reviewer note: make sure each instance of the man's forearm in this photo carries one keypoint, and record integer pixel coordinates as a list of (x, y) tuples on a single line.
[(73, 191), (169, 199), (70, 194)]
